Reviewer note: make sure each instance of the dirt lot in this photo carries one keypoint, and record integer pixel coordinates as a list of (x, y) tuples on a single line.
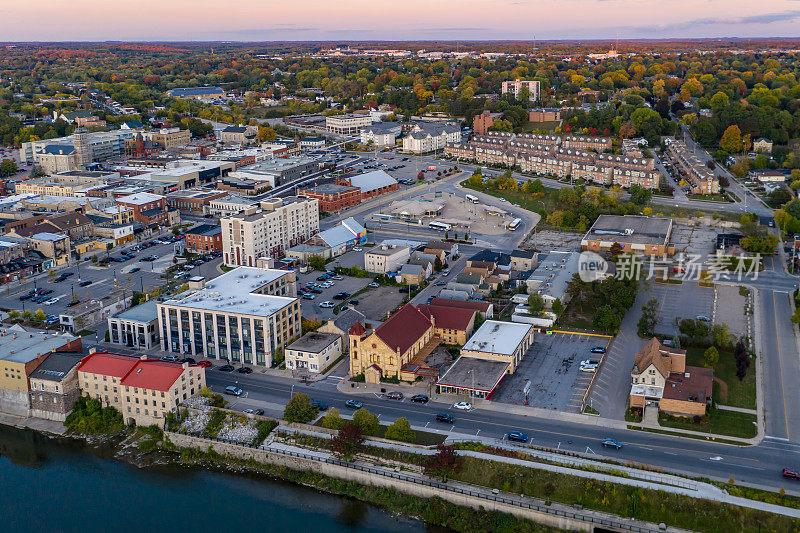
[(549, 240), (376, 303)]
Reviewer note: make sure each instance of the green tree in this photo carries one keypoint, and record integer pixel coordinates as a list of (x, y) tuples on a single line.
[(332, 419), (8, 167), (366, 421), (299, 409), (39, 316), (607, 318), (647, 322), (721, 335), (316, 262), (535, 304), (557, 307), (639, 195), (711, 357), (437, 264), (400, 430)]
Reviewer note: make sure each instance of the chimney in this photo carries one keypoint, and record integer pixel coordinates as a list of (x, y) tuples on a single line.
[(15, 335), (143, 357), (92, 350)]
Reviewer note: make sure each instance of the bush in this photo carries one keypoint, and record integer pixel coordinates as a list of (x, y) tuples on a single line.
[(217, 400), (214, 423), (400, 430), (299, 409), (366, 421), (332, 419), (264, 428), (349, 441), (89, 416), (148, 445)]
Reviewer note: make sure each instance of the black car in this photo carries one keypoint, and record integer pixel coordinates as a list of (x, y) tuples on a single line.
[(322, 406), (444, 417), (226, 368), (46, 292), (84, 283), (419, 398), (67, 274), (245, 370), (73, 302), (353, 302), (259, 412), (188, 360), (354, 404)]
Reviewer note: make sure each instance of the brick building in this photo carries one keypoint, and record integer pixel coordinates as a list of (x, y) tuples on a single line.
[(204, 238), (333, 198), (194, 200)]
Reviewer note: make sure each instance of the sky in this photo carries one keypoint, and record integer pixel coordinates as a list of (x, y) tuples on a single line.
[(325, 20)]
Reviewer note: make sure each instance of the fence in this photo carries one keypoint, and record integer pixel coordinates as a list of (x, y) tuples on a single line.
[(582, 517)]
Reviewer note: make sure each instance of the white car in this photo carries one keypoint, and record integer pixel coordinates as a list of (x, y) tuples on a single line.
[(327, 304), (357, 249), (51, 301), (374, 284), (464, 406), (588, 368)]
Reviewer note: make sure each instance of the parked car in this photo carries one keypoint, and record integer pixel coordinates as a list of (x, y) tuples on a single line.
[(259, 412), (308, 296), (419, 398), (446, 272), (245, 370), (587, 362), (84, 283), (464, 406), (226, 368), (703, 318), (358, 249), (171, 358), (234, 391), (322, 406), (611, 443), (445, 417), (598, 349), (135, 269), (353, 302), (517, 436), (205, 364), (51, 301), (189, 360), (327, 304), (73, 302), (589, 368), (394, 395), (354, 404), (374, 284), (248, 411)]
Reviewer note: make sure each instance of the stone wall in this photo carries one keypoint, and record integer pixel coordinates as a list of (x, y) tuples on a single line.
[(53, 406), (14, 402), (370, 479)]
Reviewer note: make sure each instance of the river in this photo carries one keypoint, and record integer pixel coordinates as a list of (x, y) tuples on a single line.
[(65, 486)]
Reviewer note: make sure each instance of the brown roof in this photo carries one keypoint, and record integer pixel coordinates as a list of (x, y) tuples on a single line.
[(482, 307), (482, 264), (694, 385), (403, 328), (70, 220), (653, 352), (439, 245), (357, 329), (448, 317)]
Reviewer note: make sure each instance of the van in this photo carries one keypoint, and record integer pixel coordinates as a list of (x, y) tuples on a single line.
[(519, 298), (234, 391)]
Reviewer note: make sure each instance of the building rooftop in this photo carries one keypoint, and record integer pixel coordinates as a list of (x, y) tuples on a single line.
[(330, 188), (371, 181), (22, 346), (481, 307), (554, 272), (633, 229), (386, 251), (404, 328), (475, 373), (140, 198), (235, 292), (313, 342), (133, 371), (145, 312), (498, 337), (56, 366), (205, 229), (183, 92), (693, 385), (444, 317)]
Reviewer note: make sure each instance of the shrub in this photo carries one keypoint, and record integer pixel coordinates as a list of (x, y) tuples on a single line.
[(332, 420), (366, 421), (264, 428), (89, 416), (349, 441), (400, 430), (299, 409)]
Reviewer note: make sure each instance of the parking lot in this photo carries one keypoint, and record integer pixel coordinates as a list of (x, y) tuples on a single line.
[(687, 300), (312, 309), (552, 365)]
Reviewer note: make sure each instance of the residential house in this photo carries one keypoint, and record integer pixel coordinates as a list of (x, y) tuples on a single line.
[(385, 258), (315, 351)]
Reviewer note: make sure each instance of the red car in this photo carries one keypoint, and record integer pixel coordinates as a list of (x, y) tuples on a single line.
[(791, 474), (205, 364)]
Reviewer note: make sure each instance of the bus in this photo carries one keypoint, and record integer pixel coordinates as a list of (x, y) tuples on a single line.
[(473, 199), (439, 226), (514, 224)]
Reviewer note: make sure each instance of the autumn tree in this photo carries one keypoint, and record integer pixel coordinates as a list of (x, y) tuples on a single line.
[(348, 442), (731, 140), (444, 463)]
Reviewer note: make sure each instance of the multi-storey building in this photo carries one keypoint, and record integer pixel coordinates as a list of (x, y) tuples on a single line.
[(430, 136), (581, 142), (333, 198), (196, 93), (242, 316), (204, 238), (279, 225), (86, 147), (625, 177), (147, 208), (700, 177), (194, 200), (143, 390), (515, 87), (593, 172), (348, 124), (481, 123)]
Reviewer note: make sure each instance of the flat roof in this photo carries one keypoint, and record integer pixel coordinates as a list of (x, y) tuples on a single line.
[(474, 373), (630, 229), (140, 198), (29, 344), (145, 312), (313, 342), (498, 337), (234, 292), (389, 251)]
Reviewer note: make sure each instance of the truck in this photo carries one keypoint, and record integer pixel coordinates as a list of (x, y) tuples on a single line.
[(431, 167)]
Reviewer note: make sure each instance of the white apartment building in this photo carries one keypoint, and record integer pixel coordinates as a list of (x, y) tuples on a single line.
[(242, 316), (386, 258), (314, 351), (275, 227), (349, 124), (429, 136), (232, 204), (514, 87)]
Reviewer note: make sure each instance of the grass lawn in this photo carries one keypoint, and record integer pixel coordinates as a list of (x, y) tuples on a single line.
[(547, 125), (730, 423), (423, 438), (740, 393)]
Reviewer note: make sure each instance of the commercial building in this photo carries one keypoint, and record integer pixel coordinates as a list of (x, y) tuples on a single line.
[(21, 352), (148, 209), (312, 143), (544, 114), (89, 312), (385, 258), (515, 87), (660, 376), (188, 173), (232, 204), (243, 135), (492, 352), (76, 150), (454, 325), (348, 124), (279, 225), (197, 93), (635, 234), (136, 327), (194, 201), (395, 349), (54, 386), (204, 238), (144, 390), (427, 137), (67, 183), (278, 171), (333, 198), (372, 184), (243, 316), (315, 351)]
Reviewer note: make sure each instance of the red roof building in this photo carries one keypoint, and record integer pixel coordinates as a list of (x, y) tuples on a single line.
[(143, 390), (485, 309), (453, 324)]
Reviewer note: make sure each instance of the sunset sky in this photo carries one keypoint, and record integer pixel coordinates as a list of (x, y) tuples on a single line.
[(271, 20)]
